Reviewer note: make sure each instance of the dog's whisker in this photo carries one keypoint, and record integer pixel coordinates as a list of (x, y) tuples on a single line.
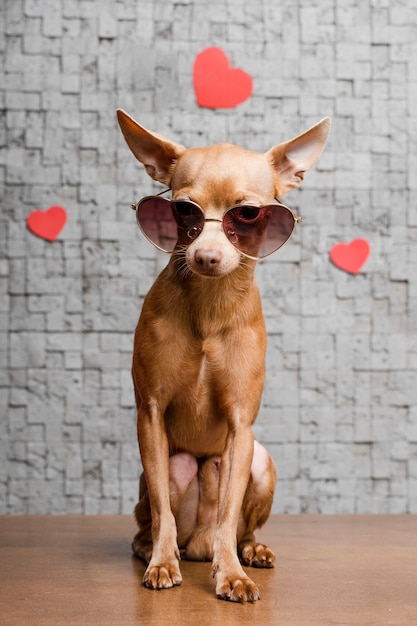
[(181, 265)]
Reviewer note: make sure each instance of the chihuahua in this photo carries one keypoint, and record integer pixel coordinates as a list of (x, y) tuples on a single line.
[(199, 352)]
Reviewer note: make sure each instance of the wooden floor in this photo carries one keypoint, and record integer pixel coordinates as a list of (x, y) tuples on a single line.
[(345, 570)]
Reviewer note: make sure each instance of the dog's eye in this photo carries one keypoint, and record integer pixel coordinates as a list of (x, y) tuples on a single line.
[(189, 219), (248, 214)]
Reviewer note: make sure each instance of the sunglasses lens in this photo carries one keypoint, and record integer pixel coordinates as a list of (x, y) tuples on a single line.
[(168, 224), (189, 220), (258, 231)]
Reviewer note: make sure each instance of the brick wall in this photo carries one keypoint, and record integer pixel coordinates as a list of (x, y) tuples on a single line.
[(339, 411)]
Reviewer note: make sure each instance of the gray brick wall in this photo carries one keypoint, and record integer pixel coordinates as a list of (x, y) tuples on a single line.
[(339, 411)]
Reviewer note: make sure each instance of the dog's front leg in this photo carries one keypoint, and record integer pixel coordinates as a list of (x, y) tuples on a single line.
[(163, 569), (231, 581)]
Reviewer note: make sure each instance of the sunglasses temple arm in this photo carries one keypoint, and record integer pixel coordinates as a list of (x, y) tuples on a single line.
[(134, 206)]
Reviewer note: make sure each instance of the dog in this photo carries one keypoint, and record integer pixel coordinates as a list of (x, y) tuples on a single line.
[(199, 352)]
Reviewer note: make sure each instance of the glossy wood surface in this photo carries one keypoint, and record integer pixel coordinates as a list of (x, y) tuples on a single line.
[(345, 570)]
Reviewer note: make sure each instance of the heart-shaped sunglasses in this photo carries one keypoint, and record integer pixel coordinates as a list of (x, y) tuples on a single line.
[(255, 231)]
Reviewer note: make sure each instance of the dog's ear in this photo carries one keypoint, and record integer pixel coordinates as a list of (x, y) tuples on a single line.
[(293, 158), (157, 154)]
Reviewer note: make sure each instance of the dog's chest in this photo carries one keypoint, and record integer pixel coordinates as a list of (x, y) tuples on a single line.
[(199, 392), (201, 378), (194, 417)]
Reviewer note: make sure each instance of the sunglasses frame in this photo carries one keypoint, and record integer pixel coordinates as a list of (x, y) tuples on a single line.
[(297, 220)]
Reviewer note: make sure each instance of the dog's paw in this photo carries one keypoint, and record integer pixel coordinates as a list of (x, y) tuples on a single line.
[(256, 554), (236, 588), (162, 576)]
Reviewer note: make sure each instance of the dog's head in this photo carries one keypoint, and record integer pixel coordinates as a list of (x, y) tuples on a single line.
[(223, 206)]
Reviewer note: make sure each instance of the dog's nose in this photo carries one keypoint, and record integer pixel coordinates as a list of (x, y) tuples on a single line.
[(208, 259)]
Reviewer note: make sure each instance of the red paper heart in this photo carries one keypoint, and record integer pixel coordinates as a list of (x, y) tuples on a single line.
[(47, 224), (216, 84), (350, 257)]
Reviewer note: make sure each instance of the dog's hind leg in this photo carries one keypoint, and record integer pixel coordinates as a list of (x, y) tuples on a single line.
[(142, 541), (256, 509)]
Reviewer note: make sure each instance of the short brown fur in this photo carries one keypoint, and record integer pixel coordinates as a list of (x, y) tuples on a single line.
[(198, 368)]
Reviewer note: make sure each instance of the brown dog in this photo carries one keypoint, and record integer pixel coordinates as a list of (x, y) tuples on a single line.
[(199, 352)]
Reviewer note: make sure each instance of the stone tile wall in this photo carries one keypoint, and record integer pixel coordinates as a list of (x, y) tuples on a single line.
[(339, 412)]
